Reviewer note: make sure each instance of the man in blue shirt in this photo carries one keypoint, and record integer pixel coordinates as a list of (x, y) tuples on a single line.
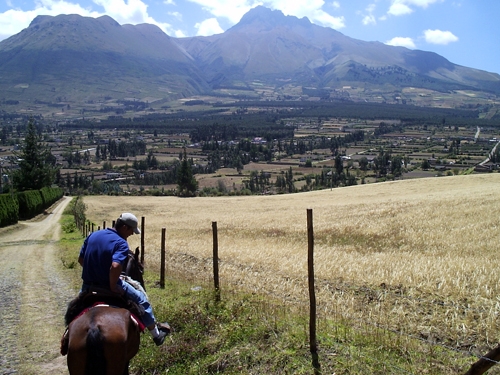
[(102, 257)]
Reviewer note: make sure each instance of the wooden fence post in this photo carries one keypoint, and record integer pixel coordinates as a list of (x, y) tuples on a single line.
[(143, 226), (104, 224), (216, 261), (485, 363), (162, 259), (312, 294)]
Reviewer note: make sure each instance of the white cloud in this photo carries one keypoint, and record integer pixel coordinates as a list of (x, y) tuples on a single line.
[(336, 4), (179, 34), (123, 11), (402, 42), (176, 15), (326, 19), (402, 7), (131, 12), (231, 10), (208, 27), (398, 9), (421, 3), (439, 37), (369, 20)]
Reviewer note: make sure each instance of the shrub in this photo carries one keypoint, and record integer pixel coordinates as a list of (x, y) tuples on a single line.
[(9, 210), (30, 203)]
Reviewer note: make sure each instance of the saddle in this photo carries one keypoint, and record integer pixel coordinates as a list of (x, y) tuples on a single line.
[(94, 295)]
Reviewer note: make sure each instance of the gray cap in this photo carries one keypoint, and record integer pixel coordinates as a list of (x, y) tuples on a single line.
[(131, 221)]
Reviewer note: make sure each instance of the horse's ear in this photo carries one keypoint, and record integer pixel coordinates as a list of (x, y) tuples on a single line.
[(137, 251)]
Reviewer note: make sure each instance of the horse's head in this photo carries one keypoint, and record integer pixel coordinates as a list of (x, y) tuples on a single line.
[(133, 267)]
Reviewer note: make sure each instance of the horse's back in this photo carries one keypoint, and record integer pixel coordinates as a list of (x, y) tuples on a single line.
[(104, 338)]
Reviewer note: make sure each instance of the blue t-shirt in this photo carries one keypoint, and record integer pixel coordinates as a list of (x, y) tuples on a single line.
[(99, 250)]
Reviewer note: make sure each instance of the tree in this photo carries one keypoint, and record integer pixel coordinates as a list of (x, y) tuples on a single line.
[(425, 165), (186, 182), (36, 165), (363, 163)]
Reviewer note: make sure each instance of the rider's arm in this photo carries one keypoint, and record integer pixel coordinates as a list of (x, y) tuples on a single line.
[(114, 275)]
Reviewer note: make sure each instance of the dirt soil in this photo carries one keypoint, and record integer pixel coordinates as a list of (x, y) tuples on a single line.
[(34, 296)]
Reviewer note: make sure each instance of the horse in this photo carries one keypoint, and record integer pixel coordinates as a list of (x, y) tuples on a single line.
[(103, 338)]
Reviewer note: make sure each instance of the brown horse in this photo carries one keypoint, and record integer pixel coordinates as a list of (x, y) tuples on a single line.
[(103, 339)]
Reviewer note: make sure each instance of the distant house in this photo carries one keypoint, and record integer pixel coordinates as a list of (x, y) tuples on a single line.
[(259, 141), (112, 175)]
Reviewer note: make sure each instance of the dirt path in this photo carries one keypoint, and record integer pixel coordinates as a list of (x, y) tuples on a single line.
[(34, 297)]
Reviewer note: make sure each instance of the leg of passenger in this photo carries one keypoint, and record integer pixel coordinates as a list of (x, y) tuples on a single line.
[(138, 297)]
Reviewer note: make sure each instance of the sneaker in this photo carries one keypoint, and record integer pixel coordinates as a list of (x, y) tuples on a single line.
[(165, 327), (160, 339)]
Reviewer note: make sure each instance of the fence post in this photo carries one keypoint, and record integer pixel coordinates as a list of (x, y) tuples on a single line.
[(92, 225), (485, 363), (143, 223), (312, 294), (104, 224), (216, 261), (162, 259)]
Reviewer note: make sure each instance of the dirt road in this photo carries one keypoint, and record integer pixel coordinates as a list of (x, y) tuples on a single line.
[(33, 297)]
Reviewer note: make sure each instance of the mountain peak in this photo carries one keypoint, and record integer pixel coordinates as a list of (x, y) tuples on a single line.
[(265, 19)]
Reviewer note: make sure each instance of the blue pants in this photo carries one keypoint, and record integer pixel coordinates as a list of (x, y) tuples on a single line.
[(140, 298)]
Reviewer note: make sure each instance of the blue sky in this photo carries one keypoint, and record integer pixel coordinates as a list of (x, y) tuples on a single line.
[(466, 32)]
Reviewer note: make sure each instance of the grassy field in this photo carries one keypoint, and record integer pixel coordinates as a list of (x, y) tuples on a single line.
[(402, 262)]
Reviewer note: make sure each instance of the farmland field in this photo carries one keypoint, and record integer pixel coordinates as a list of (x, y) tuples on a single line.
[(416, 256)]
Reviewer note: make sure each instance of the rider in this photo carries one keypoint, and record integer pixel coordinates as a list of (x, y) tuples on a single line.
[(102, 256)]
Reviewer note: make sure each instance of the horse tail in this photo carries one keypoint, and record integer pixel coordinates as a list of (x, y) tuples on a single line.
[(96, 361)]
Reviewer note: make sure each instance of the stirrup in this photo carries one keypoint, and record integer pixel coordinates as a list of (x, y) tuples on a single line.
[(164, 327)]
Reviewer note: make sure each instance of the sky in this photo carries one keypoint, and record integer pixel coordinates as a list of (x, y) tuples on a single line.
[(466, 32)]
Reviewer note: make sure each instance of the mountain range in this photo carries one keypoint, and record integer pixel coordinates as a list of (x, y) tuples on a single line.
[(74, 58)]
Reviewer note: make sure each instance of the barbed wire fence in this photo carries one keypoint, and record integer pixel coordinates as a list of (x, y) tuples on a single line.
[(482, 363)]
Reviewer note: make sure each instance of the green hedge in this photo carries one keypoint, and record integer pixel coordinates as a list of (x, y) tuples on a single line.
[(30, 203), (9, 210), (51, 196), (33, 202), (26, 204)]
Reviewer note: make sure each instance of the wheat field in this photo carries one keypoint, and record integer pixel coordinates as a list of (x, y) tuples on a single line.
[(416, 256)]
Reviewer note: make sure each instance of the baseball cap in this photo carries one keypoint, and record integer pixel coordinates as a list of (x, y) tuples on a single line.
[(131, 221)]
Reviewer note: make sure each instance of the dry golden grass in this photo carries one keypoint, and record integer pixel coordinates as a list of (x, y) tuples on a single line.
[(418, 256)]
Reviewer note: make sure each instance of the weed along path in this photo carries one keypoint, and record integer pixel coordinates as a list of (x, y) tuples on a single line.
[(34, 297)]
